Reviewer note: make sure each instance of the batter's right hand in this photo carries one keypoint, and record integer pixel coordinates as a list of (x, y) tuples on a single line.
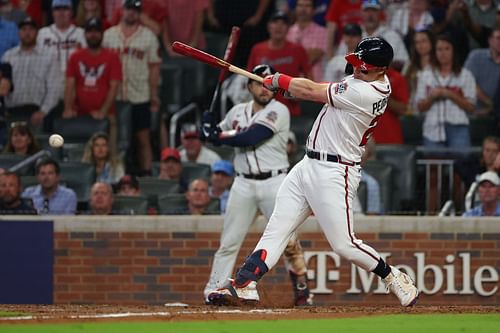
[(271, 82)]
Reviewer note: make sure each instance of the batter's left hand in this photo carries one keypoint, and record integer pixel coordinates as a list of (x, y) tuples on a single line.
[(271, 82)]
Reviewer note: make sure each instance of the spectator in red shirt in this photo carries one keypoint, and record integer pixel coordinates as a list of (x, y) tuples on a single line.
[(388, 130), (340, 12), (92, 79), (286, 57)]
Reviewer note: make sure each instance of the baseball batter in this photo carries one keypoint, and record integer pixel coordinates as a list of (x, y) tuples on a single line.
[(260, 136), (326, 180)]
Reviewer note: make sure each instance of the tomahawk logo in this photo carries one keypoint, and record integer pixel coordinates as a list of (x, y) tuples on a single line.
[(91, 73), (483, 280)]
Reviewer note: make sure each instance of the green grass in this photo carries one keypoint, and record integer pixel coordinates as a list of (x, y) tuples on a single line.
[(460, 323)]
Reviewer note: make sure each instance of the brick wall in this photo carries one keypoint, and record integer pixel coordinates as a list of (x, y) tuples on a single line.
[(138, 261)]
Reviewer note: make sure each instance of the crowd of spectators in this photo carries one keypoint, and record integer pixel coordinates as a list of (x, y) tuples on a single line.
[(101, 59)]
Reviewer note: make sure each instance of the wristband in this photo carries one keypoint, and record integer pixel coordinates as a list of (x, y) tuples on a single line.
[(284, 81)]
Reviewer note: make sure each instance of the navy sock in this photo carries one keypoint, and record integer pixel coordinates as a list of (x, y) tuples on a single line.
[(382, 269)]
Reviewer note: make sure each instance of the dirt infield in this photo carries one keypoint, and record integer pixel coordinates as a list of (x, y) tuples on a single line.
[(179, 312)]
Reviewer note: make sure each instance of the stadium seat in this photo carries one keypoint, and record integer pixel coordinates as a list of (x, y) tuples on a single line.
[(213, 207), (411, 126), (403, 160), (481, 127), (129, 205), (80, 129), (27, 181), (192, 171), (152, 188), (8, 160), (79, 177), (73, 151), (382, 172), (225, 152), (171, 204)]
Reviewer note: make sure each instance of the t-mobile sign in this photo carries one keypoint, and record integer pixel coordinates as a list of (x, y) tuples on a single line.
[(26, 261)]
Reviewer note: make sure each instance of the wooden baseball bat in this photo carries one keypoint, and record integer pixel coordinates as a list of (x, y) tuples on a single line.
[(211, 60), (228, 56)]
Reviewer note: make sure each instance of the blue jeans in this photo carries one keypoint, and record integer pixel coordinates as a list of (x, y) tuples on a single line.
[(457, 136)]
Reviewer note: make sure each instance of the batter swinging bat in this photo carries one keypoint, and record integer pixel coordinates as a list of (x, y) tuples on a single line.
[(211, 60), (228, 56)]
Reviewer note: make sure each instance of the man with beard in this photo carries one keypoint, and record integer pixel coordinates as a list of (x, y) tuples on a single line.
[(259, 131), (10, 196), (92, 79), (138, 96)]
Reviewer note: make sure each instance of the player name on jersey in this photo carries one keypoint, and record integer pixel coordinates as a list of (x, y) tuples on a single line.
[(482, 280)]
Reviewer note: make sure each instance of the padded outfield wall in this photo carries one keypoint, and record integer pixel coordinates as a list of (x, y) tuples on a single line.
[(160, 259)]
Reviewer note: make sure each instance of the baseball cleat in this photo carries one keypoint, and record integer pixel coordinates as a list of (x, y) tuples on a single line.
[(233, 296), (401, 285)]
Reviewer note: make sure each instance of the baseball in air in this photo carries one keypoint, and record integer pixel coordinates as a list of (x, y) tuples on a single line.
[(56, 141)]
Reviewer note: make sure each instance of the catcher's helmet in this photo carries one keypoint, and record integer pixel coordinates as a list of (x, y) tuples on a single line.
[(371, 53), (262, 70)]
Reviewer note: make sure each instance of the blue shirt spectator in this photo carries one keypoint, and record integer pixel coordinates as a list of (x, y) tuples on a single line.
[(221, 180), (373, 199), (9, 37), (62, 202), (479, 211), (489, 193)]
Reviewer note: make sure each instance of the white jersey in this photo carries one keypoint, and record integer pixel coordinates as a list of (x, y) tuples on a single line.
[(271, 154), (61, 44), (345, 124), (136, 53)]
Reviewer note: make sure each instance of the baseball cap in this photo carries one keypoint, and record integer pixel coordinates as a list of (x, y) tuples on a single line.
[(352, 29), (62, 4), (489, 176), (132, 4), (28, 20), (279, 16), (373, 4), (190, 131), (223, 166), (93, 23), (170, 153), (128, 180)]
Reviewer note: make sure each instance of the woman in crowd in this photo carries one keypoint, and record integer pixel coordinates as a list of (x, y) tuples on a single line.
[(21, 140), (109, 169), (421, 55), (446, 93)]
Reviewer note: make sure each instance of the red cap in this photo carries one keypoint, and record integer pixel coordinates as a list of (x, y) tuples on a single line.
[(167, 153)]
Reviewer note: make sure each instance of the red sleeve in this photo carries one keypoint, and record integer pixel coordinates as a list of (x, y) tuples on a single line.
[(117, 16), (332, 14), (72, 68), (399, 86), (116, 67)]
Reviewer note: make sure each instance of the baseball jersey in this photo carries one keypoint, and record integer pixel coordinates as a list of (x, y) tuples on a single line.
[(93, 74), (444, 111), (61, 44), (136, 53), (269, 155), (348, 120)]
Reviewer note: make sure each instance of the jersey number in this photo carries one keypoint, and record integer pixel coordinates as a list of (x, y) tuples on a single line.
[(369, 131)]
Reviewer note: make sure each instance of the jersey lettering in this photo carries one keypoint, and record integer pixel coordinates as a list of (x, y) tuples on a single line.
[(371, 128), (378, 107)]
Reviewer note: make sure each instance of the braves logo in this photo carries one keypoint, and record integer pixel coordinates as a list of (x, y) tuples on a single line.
[(91, 74)]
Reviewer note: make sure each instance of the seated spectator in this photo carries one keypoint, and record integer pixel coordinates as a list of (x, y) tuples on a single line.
[(446, 93), (92, 79), (5, 89), (197, 197), (11, 202), (335, 68), (10, 13), (171, 167), (489, 194), (37, 78), (108, 167), (470, 167), (9, 37), (88, 9), (101, 199), (128, 186), (21, 140), (193, 149), (49, 197), (221, 180)]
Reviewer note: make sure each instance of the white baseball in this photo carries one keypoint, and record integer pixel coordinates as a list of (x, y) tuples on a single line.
[(56, 141)]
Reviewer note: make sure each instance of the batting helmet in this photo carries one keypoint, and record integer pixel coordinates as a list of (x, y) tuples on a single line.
[(262, 70), (373, 52)]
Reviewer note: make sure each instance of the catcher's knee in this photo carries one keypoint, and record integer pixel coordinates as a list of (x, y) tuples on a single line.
[(253, 269)]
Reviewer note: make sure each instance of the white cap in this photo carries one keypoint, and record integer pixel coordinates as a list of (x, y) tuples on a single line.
[(489, 176)]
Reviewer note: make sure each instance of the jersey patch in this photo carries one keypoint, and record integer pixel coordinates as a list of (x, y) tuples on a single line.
[(272, 116), (340, 88)]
